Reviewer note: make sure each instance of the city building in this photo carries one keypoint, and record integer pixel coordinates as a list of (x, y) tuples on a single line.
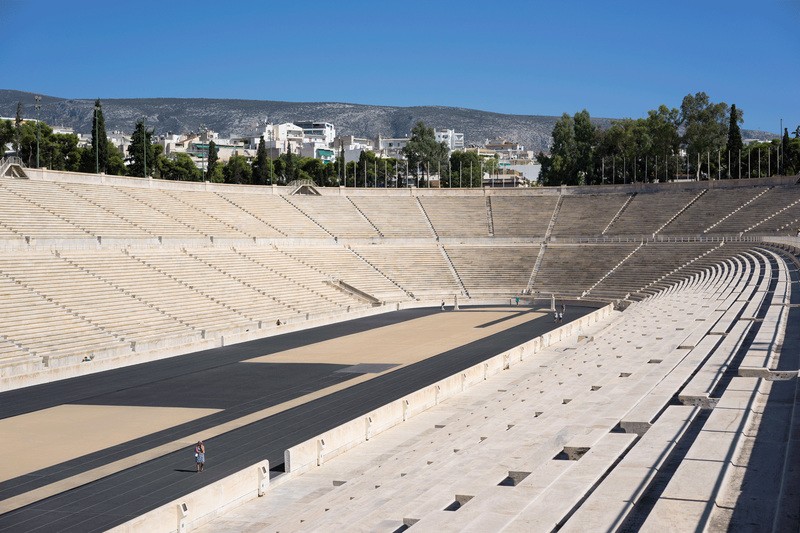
[(453, 139), (317, 132), (391, 146), (352, 146)]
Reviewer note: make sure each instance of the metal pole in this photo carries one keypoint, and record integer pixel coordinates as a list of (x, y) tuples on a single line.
[(96, 144), (460, 167), (719, 166), (759, 161), (144, 144), (38, 107)]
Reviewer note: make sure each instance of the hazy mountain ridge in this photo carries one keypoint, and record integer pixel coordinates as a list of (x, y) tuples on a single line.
[(228, 116)]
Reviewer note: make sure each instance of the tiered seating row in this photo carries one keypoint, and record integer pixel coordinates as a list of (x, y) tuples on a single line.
[(647, 212), (395, 217), (587, 214), (279, 214), (419, 270), (342, 264), (710, 209), (571, 269), (457, 216), (522, 216), (649, 263), (336, 214), (493, 269)]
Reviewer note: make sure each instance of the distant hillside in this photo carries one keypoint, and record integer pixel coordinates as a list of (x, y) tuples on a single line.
[(180, 115)]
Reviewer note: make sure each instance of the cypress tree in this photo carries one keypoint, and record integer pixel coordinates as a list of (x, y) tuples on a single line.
[(17, 128), (784, 147), (261, 164), (140, 143), (734, 134), (212, 158), (99, 137)]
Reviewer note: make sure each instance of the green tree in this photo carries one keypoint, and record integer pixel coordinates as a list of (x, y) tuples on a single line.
[(180, 168), (465, 170), (734, 144), (116, 161), (99, 137), (237, 170), (213, 156), (559, 168), (262, 165), (784, 147), (17, 127), (7, 135), (584, 147), (423, 152), (61, 152), (141, 151), (289, 170), (792, 157), (26, 141), (365, 169), (705, 127)]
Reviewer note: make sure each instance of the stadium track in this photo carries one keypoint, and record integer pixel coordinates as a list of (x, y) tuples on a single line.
[(121, 496)]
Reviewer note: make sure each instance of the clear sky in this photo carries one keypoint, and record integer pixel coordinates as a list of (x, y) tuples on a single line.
[(613, 58)]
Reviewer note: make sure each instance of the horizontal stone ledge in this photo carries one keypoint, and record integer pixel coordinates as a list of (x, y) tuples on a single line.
[(698, 400), (767, 373)]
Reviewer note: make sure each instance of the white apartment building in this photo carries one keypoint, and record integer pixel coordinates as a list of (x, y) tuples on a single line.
[(278, 138), (391, 146), (453, 139), (317, 132), (352, 146)]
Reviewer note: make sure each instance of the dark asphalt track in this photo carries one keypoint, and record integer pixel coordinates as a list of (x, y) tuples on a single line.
[(120, 497)]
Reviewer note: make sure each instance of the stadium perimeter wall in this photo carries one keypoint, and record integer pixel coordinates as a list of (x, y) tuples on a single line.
[(203, 505)]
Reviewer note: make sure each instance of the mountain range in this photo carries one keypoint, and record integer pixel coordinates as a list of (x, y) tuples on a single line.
[(232, 117)]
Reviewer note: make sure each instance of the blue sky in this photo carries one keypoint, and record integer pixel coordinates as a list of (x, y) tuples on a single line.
[(614, 58)]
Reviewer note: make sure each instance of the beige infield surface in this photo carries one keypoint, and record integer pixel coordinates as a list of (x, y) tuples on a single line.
[(407, 342), (51, 436)]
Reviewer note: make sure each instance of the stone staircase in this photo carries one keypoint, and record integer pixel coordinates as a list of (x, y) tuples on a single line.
[(715, 224), (676, 215), (619, 213)]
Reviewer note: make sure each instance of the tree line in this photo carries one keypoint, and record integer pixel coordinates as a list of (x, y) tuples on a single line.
[(701, 139)]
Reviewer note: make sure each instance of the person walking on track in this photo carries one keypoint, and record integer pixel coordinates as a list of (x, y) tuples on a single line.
[(200, 455)]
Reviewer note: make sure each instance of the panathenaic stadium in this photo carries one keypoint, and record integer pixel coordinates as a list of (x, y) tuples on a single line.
[(393, 359)]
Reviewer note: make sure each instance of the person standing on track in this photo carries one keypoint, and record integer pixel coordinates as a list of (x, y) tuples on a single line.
[(200, 455)]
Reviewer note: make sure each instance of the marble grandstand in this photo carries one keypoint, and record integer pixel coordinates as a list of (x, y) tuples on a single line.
[(663, 412), (179, 265)]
